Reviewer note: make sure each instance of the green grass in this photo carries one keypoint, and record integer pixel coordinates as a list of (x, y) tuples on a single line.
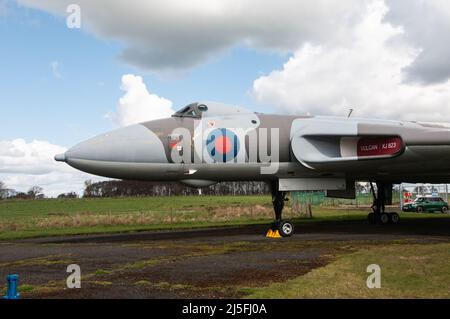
[(26, 218), (48, 207), (407, 271), (53, 217)]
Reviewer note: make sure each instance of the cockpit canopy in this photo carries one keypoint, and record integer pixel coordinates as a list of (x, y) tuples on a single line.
[(208, 109), (194, 110)]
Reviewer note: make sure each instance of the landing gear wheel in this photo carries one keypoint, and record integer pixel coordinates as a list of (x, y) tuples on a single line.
[(372, 219), (383, 218), (394, 218), (280, 228), (286, 228)]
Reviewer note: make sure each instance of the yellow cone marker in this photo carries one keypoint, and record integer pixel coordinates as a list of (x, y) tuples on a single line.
[(273, 234)]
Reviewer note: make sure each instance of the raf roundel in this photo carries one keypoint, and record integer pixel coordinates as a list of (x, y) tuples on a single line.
[(222, 145)]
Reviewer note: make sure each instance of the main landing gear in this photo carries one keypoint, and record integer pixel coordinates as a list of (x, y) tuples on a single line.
[(279, 228), (379, 215)]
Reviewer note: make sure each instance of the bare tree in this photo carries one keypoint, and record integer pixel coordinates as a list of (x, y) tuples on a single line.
[(361, 187), (3, 190), (88, 189), (421, 189), (36, 192), (434, 189)]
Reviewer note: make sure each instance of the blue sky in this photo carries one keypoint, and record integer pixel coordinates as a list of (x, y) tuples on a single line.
[(65, 109)]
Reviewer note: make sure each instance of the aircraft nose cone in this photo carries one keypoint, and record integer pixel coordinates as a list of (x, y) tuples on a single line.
[(60, 157), (130, 144)]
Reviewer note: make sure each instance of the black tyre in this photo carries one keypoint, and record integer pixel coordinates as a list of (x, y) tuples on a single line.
[(286, 228), (371, 218), (383, 218), (275, 225), (420, 209), (394, 218), (444, 209)]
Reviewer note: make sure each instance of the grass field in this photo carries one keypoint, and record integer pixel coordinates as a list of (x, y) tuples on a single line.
[(25, 219), (407, 271)]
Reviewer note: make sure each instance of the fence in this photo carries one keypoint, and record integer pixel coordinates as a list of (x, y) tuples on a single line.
[(316, 198)]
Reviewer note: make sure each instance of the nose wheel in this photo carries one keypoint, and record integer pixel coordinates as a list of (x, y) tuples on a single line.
[(279, 228), (284, 228)]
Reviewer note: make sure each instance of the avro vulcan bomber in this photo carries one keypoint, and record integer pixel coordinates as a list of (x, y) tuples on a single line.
[(208, 142)]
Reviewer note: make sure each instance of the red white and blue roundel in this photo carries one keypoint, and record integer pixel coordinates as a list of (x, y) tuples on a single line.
[(222, 145)]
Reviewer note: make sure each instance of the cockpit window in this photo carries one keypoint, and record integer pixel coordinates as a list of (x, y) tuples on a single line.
[(192, 110)]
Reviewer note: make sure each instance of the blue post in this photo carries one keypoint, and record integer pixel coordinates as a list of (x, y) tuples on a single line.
[(13, 283)]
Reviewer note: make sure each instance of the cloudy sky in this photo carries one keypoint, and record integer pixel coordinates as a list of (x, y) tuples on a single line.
[(135, 60)]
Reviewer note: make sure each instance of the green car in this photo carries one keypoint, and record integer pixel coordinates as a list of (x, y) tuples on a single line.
[(426, 204)]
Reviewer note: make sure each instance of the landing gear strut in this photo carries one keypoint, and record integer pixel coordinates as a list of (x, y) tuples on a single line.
[(379, 215), (279, 228)]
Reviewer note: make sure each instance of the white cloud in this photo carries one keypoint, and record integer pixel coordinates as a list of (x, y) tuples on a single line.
[(23, 165), (54, 65), (177, 34), (365, 73), (138, 105), (174, 35), (427, 26)]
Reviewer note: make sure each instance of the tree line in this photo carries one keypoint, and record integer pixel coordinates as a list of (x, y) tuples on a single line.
[(123, 188), (35, 192), (138, 188)]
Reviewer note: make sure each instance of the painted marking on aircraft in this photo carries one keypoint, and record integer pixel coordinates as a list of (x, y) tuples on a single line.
[(379, 146), (222, 145), (174, 140)]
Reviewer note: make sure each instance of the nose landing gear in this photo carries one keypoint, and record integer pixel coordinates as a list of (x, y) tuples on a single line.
[(379, 215), (279, 228)]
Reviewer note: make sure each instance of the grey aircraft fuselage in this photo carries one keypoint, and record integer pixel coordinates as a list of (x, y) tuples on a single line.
[(208, 142)]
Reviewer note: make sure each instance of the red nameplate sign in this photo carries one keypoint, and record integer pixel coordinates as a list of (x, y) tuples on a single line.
[(379, 146)]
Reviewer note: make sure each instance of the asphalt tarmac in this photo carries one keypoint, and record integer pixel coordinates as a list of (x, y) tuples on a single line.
[(203, 263)]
